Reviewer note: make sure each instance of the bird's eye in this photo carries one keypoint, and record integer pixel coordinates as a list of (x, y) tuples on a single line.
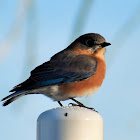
[(89, 42)]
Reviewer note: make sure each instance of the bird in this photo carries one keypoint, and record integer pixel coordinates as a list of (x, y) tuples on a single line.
[(76, 71)]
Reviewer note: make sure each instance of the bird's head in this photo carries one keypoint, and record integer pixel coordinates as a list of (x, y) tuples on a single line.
[(92, 42)]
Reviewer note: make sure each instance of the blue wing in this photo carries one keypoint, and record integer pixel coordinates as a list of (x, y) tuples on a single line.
[(64, 67)]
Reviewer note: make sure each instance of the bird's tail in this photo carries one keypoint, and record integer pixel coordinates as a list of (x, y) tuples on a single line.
[(12, 97)]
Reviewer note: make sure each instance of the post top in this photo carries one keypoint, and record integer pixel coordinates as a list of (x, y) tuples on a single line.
[(70, 113)]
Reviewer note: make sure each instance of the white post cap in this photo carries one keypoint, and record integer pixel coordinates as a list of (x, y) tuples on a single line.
[(70, 123)]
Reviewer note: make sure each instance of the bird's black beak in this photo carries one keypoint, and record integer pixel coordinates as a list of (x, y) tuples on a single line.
[(105, 44)]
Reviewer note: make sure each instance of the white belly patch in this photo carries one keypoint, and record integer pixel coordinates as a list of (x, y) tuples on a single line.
[(55, 93)]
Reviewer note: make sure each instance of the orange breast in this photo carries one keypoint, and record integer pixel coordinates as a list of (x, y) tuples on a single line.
[(79, 88)]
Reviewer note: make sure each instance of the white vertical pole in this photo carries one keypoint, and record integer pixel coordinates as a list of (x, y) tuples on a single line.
[(70, 123)]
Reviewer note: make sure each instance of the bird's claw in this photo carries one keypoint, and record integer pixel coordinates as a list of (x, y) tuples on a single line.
[(73, 104), (81, 105)]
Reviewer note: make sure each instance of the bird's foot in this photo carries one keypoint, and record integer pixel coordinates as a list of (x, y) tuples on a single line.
[(82, 105), (73, 104), (60, 103)]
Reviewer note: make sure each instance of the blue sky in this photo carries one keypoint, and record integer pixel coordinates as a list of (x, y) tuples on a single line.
[(52, 29)]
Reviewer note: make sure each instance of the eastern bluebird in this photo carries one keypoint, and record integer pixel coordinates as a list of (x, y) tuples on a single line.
[(76, 71)]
